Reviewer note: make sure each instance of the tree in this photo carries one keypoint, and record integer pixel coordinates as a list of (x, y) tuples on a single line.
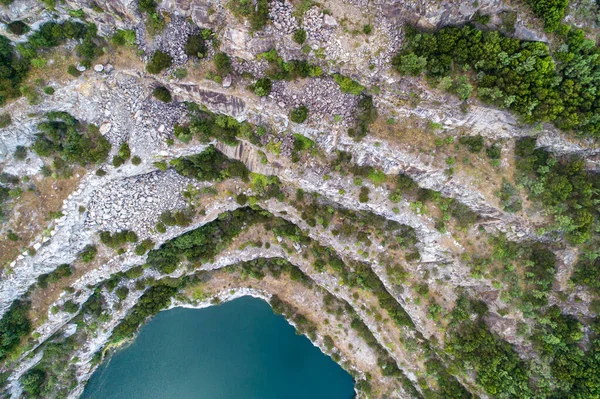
[(222, 64), (159, 62), (410, 64), (162, 93), (299, 114)]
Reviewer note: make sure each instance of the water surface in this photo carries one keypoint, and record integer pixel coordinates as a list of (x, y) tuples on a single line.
[(236, 350)]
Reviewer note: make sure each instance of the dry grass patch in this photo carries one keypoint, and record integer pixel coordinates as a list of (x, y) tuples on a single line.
[(29, 215)]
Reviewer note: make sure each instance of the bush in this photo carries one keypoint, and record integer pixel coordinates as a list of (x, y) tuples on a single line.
[(75, 143), (195, 47), (5, 120), (347, 85), (136, 160), (262, 87), (117, 161), (147, 6), (72, 70), (299, 36), (257, 13), (124, 151), (143, 247), (123, 37), (222, 64), (33, 381), (20, 153), (366, 115), (159, 62), (49, 90), (14, 325), (118, 239), (363, 196), (18, 27), (299, 115), (163, 94), (367, 29), (473, 143), (551, 11), (88, 253)]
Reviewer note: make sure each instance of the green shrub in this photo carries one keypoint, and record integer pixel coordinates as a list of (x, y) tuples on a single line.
[(257, 13), (159, 62), (49, 90), (20, 153), (14, 325), (72, 70), (5, 120), (18, 27), (161, 165), (88, 253), (551, 12), (210, 164), (363, 196), (262, 87), (33, 380), (124, 37), (222, 64), (117, 161), (473, 143), (136, 160), (347, 85), (195, 47), (299, 115), (367, 29), (299, 36), (124, 151), (64, 135), (163, 94), (147, 6)]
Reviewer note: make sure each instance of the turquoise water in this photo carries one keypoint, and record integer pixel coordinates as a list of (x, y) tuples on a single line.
[(236, 350)]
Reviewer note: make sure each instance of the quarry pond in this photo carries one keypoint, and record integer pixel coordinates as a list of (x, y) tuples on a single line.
[(239, 349)]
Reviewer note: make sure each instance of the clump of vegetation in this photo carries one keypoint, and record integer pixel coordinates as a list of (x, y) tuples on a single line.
[(299, 36), (347, 85), (262, 87), (64, 135), (162, 93), (222, 64), (299, 115), (14, 325), (550, 11), (123, 37), (159, 62), (118, 239), (210, 164), (366, 115), (18, 27), (257, 13), (473, 143), (195, 46), (288, 70), (88, 253), (16, 61), (154, 300), (62, 271), (519, 75), (143, 247)]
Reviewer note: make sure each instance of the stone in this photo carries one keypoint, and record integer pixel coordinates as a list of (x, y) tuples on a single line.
[(329, 20), (98, 67), (227, 81), (81, 68), (105, 128)]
